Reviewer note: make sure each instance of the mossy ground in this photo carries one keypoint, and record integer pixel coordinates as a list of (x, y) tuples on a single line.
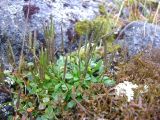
[(93, 100), (142, 70)]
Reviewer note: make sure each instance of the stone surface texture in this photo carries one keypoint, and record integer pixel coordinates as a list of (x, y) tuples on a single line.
[(14, 24), (64, 12), (139, 36), (5, 108)]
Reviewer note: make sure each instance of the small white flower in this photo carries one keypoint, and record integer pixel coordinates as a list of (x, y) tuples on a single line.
[(6, 72), (125, 88), (9, 81)]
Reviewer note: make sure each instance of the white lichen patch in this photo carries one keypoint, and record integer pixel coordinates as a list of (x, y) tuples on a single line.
[(126, 89), (13, 9)]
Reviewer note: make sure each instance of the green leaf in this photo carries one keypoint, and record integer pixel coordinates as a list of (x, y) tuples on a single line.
[(71, 104), (67, 96), (79, 94), (44, 117), (33, 84), (29, 76), (49, 112), (76, 84), (75, 79), (46, 99), (68, 76), (47, 85), (41, 118), (30, 104), (64, 87), (101, 69), (109, 83), (94, 80), (47, 77), (88, 77), (85, 84), (60, 61), (56, 88), (69, 86), (55, 96), (106, 78)]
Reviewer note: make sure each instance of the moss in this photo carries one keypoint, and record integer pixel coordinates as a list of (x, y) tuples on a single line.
[(102, 10), (100, 24), (83, 27)]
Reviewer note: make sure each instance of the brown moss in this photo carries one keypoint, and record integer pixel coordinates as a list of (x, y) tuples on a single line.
[(104, 104), (142, 69)]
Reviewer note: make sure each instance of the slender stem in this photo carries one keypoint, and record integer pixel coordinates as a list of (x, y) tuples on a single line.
[(24, 37)]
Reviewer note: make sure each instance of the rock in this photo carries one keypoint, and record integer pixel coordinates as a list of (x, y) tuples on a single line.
[(139, 36), (5, 105), (15, 22)]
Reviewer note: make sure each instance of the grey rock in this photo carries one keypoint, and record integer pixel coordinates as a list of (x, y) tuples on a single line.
[(5, 108), (139, 36), (65, 13)]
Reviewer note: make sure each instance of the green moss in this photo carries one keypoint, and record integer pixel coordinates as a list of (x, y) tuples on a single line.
[(101, 25), (102, 10), (83, 27)]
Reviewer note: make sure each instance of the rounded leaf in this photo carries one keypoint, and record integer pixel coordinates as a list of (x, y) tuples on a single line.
[(71, 104), (109, 83)]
